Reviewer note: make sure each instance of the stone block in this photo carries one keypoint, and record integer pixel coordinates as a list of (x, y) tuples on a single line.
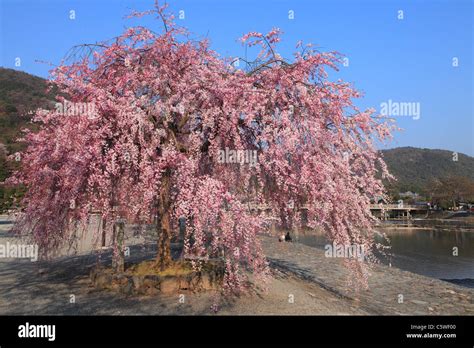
[(169, 285)]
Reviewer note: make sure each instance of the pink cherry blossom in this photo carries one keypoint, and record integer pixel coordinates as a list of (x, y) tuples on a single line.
[(165, 106)]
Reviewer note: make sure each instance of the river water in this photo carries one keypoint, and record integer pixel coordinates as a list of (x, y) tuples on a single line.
[(428, 252)]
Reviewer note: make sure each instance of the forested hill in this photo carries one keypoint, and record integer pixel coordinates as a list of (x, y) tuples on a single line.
[(415, 168), (20, 93)]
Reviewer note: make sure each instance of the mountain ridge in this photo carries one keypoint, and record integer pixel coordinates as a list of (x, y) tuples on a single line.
[(415, 168)]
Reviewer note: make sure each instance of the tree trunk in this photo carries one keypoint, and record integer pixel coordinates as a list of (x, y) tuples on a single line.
[(163, 225), (114, 246), (104, 226), (119, 256)]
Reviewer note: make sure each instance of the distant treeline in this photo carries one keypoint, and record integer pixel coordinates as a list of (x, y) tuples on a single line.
[(439, 176)]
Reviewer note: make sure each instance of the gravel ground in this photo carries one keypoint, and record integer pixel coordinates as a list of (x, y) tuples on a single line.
[(304, 282), (47, 288)]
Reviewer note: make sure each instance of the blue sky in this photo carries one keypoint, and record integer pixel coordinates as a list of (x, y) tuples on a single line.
[(403, 60)]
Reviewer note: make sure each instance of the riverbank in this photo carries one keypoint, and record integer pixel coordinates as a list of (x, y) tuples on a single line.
[(391, 290), (304, 282), (46, 288), (462, 223), (445, 254), (62, 287)]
